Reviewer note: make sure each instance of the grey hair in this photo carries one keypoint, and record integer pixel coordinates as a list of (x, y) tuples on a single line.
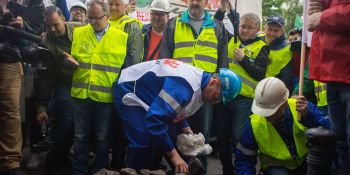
[(252, 16), (103, 4)]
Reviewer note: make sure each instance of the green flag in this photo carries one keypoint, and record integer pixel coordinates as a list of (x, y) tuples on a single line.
[(298, 23)]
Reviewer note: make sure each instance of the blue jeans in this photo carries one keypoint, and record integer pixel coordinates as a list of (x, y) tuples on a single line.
[(91, 120), (62, 126), (201, 122), (230, 125), (338, 98)]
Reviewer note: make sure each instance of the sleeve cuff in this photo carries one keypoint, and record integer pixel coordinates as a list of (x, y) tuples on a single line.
[(183, 124)]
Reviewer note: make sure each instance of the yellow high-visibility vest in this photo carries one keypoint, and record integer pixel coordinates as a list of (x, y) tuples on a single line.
[(99, 62), (278, 60), (272, 149), (122, 21), (201, 52), (251, 51), (320, 93)]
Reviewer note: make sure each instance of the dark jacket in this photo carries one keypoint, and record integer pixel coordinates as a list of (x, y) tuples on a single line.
[(58, 72), (146, 31)]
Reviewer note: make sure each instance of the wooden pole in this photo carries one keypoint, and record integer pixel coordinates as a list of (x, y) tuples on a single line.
[(301, 73)]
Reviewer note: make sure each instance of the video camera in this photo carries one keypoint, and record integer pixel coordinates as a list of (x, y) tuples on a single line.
[(16, 43)]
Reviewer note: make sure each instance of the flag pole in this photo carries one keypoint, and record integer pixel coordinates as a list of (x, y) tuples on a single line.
[(303, 50), (301, 73)]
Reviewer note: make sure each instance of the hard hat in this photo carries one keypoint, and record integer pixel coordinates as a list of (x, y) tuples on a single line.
[(270, 94), (230, 85), (78, 4), (160, 5)]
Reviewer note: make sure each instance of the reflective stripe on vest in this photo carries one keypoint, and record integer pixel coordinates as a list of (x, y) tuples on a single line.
[(99, 62), (251, 51), (320, 93), (272, 149), (278, 60), (122, 21), (201, 52)]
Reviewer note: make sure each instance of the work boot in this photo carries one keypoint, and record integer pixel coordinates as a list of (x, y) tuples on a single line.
[(33, 162)]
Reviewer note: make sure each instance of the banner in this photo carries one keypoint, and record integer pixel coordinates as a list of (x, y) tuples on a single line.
[(178, 6)]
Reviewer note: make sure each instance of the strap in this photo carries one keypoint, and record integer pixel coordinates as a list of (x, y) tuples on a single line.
[(290, 143), (154, 51)]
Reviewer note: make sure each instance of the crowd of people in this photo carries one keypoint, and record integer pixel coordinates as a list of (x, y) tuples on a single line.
[(121, 91)]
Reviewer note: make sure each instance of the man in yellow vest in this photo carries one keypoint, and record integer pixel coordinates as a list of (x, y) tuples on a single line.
[(197, 39), (101, 51), (280, 57), (274, 133), (129, 25), (248, 57)]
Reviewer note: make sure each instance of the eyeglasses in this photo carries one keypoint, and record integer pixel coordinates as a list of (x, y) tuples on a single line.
[(95, 18), (248, 27)]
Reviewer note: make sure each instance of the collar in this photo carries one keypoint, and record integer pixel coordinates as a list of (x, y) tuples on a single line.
[(278, 43), (103, 31), (250, 41), (208, 22)]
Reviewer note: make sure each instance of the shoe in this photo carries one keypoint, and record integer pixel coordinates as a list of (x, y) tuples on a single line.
[(33, 162)]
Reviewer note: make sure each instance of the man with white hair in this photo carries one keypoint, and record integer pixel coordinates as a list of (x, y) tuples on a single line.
[(273, 126)]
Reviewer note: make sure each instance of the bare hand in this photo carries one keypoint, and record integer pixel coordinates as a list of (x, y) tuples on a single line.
[(314, 21), (17, 22), (301, 106), (239, 54), (41, 117), (187, 130), (71, 58), (315, 6), (179, 164)]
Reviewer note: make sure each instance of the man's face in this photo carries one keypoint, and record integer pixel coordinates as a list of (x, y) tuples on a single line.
[(294, 37), (78, 14), (117, 8), (97, 17), (196, 7), (159, 19), (55, 25), (272, 31), (248, 29), (212, 93), (278, 115)]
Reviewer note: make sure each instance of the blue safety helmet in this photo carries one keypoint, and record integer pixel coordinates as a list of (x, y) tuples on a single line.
[(230, 85)]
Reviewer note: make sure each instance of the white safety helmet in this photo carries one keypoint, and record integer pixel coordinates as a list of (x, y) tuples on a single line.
[(270, 94), (78, 4), (160, 5)]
